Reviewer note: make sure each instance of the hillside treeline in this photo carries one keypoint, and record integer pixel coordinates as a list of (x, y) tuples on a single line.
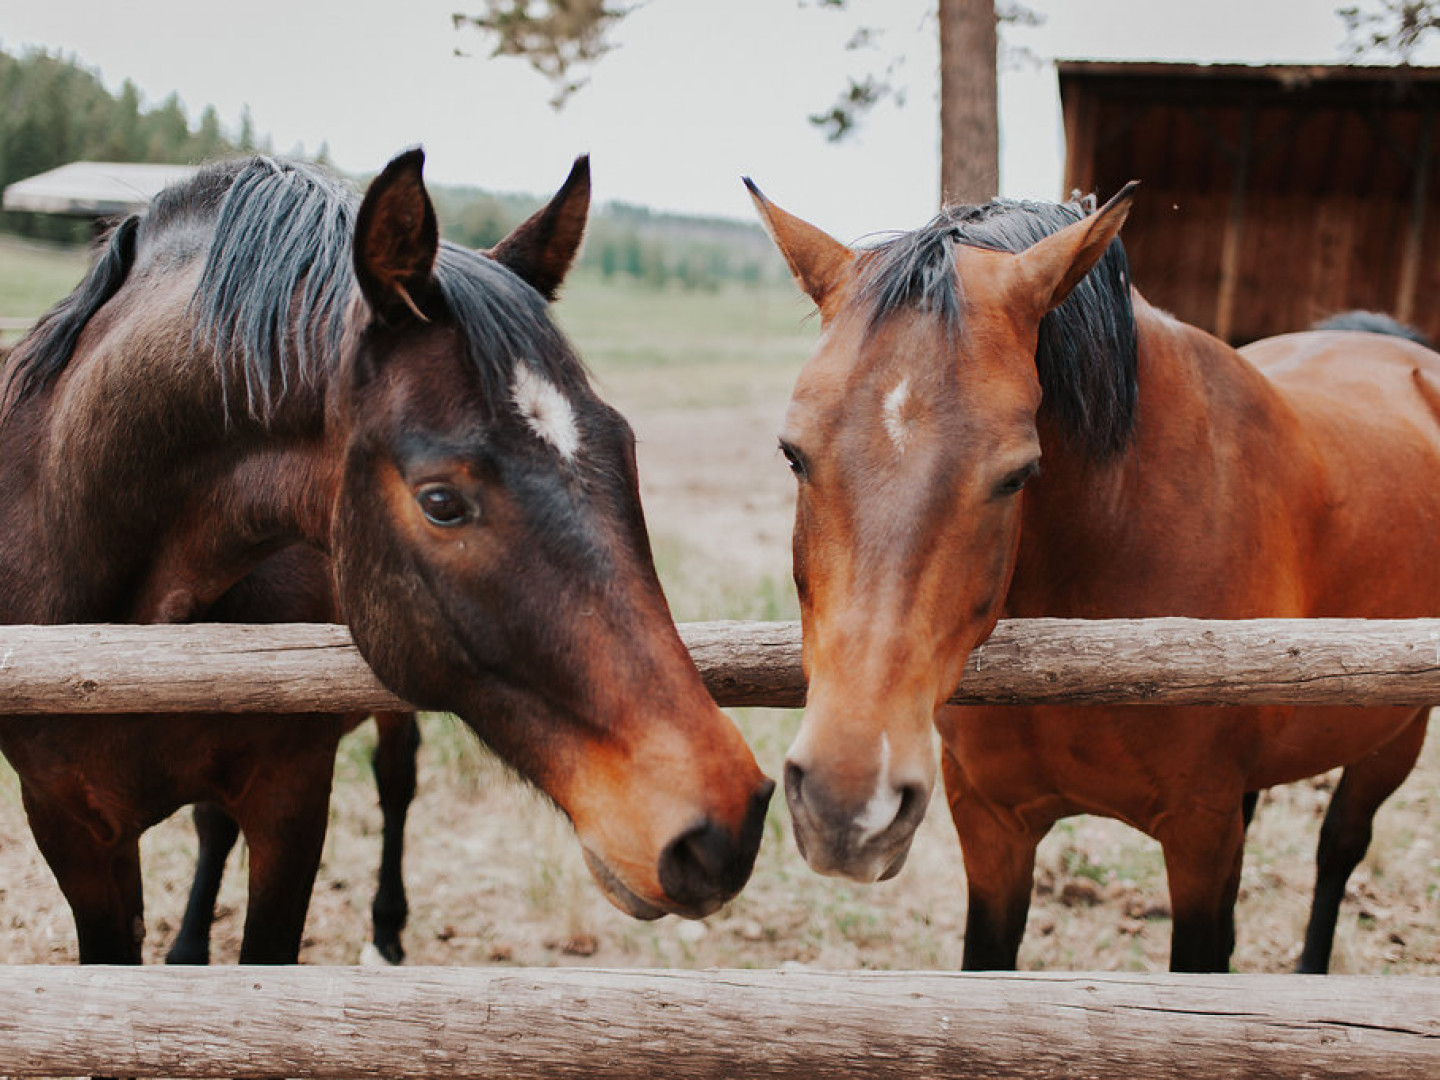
[(53, 110), (626, 243)]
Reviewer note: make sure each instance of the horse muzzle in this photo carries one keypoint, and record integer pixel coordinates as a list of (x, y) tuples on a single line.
[(698, 871), (864, 841)]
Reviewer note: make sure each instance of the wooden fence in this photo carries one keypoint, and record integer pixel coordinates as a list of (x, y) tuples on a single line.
[(559, 1024), (301, 666), (440, 1022)]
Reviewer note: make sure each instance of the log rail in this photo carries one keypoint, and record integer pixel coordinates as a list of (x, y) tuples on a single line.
[(431, 1023), (315, 668)]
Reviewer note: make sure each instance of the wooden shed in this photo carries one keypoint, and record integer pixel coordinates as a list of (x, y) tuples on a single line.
[(93, 189), (1272, 196)]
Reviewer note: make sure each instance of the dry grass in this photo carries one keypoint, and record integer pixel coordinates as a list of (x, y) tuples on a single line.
[(495, 877)]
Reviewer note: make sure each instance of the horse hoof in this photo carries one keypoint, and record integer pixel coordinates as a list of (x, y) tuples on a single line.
[(370, 956)]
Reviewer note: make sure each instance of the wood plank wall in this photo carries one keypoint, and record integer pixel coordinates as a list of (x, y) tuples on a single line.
[(1268, 202)]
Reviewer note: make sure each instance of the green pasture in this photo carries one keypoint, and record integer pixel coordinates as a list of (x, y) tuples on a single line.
[(622, 328), (676, 348), (619, 325), (33, 276)]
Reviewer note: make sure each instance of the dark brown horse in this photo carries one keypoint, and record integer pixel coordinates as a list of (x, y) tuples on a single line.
[(1299, 478), (294, 586), (259, 362)]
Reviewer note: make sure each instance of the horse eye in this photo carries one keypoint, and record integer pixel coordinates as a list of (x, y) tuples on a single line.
[(442, 505), (793, 459), (1012, 484)]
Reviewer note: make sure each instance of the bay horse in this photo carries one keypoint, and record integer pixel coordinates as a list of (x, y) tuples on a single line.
[(264, 360), (1294, 478)]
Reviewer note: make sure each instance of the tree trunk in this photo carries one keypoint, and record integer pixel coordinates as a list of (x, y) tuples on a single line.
[(969, 119)]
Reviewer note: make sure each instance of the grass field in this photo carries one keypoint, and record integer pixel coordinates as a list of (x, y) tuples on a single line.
[(33, 276), (494, 874)]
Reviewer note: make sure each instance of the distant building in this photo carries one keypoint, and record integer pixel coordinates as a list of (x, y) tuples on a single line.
[(101, 190), (1271, 196)]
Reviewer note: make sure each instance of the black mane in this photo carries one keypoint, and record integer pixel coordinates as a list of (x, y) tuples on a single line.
[(1087, 351), (43, 353), (277, 283), (1373, 322)]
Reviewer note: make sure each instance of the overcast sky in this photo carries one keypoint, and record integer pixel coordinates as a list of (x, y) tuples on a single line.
[(699, 92)]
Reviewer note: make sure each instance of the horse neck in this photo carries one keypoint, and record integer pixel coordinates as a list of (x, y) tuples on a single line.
[(273, 496), (137, 499), (1089, 523), (26, 588)]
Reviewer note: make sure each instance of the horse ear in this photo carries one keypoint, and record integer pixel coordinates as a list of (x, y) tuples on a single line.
[(542, 248), (817, 260), (396, 239), (1054, 266)]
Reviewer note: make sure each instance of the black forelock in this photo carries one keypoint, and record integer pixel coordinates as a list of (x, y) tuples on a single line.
[(504, 323), (1087, 353)]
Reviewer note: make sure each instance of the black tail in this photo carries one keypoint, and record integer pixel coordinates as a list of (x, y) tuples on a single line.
[(1373, 322), (46, 350)]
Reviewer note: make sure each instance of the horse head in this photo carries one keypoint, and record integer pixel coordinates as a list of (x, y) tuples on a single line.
[(911, 432), (492, 558)]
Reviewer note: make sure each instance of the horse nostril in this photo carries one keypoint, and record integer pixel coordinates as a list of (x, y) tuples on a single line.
[(693, 865), (794, 782), (754, 827), (912, 806), (759, 803), (708, 863)]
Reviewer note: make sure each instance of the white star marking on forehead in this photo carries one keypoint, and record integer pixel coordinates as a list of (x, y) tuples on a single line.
[(546, 411), (896, 424)]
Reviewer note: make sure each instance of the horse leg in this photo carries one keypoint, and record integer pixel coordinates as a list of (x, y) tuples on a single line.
[(284, 820), (1247, 815), (100, 878), (1345, 834), (1203, 856), (1247, 807), (394, 766), (999, 873), (216, 833), (999, 880)]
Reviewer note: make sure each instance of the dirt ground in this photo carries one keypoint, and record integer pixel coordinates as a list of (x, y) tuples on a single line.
[(495, 876)]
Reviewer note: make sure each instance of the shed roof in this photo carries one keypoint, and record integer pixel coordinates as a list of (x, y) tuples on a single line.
[(93, 188), (1285, 75)]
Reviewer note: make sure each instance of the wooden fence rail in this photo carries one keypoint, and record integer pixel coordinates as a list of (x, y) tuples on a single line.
[(570, 1023), (306, 667)]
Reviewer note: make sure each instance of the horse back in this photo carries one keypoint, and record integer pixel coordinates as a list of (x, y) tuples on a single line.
[(1370, 409), (1368, 384)]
